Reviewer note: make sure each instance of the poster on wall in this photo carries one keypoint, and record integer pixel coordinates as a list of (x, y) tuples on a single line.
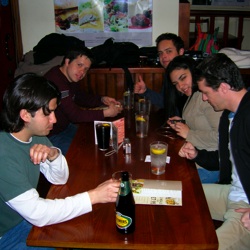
[(94, 21)]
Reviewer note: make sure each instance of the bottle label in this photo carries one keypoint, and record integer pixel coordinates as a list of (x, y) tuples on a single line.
[(125, 188), (123, 221)]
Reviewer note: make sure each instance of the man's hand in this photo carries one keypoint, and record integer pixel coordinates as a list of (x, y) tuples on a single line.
[(112, 110), (105, 192), (245, 218), (109, 100), (39, 153), (188, 151), (140, 87)]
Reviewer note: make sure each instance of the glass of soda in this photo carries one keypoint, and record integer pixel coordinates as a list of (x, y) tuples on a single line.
[(103, 135)]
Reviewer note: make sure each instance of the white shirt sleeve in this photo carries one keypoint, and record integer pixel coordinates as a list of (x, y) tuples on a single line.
[(57, 171), (41, 212)]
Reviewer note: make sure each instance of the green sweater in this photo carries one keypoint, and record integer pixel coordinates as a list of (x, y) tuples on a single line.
[(17, 175)]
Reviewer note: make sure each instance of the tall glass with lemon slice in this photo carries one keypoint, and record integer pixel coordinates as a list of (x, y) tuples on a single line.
[(158, 153), (143, 105), (141, 125)]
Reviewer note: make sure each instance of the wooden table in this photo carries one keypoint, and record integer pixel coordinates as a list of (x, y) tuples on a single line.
[(157, 227)]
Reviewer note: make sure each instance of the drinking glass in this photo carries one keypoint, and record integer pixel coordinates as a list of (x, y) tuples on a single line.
[(158, 153), (103, 135), (141, 124), (143, 106), (128, 99)]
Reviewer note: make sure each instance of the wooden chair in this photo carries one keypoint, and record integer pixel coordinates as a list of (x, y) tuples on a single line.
[(225, 39)]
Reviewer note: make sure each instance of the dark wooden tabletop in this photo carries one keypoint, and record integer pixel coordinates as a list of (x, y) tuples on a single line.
[(157, 227)]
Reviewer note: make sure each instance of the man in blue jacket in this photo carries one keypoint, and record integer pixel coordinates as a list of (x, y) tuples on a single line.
[(221, 85)]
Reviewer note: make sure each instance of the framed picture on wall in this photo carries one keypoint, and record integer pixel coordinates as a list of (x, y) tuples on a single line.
[(94, 21)]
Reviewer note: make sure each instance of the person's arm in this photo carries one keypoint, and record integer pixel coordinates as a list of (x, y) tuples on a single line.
[(84, 99), (52, 163), (112, 110), (140, 86), (76, 114), (41, 212), (155, 97), (109, 100), (206, 159), (55, 170)]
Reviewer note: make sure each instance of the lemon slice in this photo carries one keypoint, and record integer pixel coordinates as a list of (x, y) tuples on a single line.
[(105, 125), (158, 151), (141, 100), (141, 119)]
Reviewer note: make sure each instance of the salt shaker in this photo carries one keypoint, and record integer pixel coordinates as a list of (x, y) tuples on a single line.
[(126, 146)]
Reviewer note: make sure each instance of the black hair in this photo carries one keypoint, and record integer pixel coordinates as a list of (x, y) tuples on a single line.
[(174, 99), (77, 50), (28, 91), (177, 40), (219, 68), (182, 62)]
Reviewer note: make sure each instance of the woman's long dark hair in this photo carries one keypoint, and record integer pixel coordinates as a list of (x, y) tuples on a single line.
[(174, 100)]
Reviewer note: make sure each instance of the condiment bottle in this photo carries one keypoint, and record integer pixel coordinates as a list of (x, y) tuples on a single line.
[(126, 146)]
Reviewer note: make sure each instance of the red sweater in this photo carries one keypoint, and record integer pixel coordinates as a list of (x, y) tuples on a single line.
[(73, 98)]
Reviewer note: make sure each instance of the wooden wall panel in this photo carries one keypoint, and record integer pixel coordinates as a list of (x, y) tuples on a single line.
[(103, 81)]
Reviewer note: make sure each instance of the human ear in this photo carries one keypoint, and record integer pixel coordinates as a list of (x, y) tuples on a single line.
[(66, 62), (25, 115), (225, 87), (181, 51)]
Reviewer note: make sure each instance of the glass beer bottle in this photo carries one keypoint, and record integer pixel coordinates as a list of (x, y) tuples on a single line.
[(125, 206)]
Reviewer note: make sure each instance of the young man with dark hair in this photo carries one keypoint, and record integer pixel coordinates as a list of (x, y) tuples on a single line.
[(27, 117), (221, 85), (74, 67), (169, 46)]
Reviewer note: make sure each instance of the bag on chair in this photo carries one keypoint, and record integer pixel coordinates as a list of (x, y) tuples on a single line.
[(116, 54)]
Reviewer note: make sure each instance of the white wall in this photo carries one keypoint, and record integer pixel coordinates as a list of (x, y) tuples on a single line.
[(37, 19)]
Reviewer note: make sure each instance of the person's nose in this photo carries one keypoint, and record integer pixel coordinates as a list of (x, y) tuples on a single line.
[(164, 54), (83, 70), (179, 85), (204, 97), (52, 117)]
